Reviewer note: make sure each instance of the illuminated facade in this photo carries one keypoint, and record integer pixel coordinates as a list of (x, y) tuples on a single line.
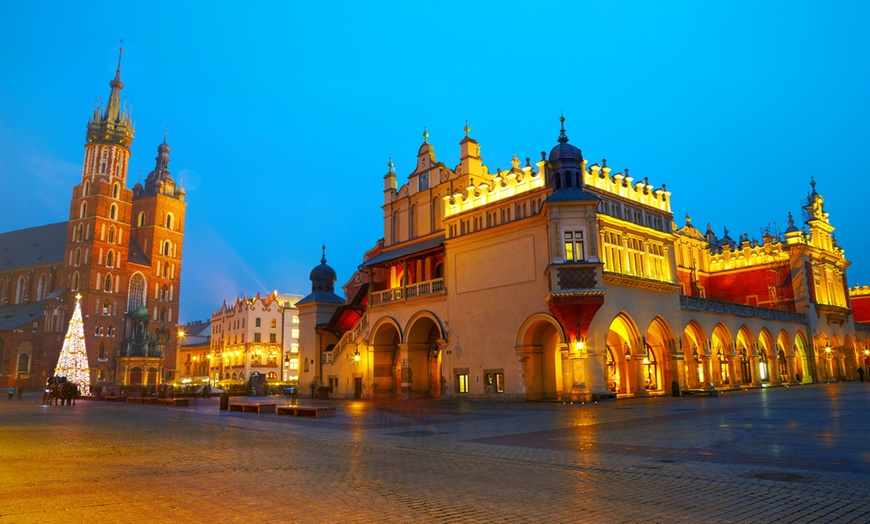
[(259, 334), (120, 249), (563, 280)]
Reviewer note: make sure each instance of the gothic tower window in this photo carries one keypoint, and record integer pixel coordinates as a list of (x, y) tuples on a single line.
[(40, 288), (83, 210), (166, 249), (75, 282), (19, 291), (78, 258), (136, 295), (116, 189), (98, 330), (110, 259), (86, 188), (108, 286), (169, 220), (113, 212), (104, 160), (141, 220), (164, 293), (112, 235)]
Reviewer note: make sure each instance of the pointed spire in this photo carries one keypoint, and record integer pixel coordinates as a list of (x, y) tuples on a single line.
[(813, 184), (563, 138), (466, 128), (113, 108), (390, 165), (323, 256)]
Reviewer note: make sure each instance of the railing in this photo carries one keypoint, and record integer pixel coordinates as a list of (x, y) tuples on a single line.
[(421, 289), (740, 310), (351, 336)]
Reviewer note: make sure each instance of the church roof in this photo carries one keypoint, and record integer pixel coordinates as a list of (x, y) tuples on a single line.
[(405, 250), (135, 255), (34, 246), (18, 315)]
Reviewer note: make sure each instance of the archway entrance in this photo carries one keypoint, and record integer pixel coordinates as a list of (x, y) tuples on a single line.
[(421, 373), (541, 344), (385, 368)]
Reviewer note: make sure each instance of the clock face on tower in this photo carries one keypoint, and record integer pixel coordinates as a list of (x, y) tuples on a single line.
[(423, 182)]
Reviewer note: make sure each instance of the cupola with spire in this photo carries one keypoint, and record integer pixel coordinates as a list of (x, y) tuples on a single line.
[(565, 162), (160, 179), (322, 277)]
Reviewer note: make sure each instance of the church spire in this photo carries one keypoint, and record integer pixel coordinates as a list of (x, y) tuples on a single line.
[(113, 108)]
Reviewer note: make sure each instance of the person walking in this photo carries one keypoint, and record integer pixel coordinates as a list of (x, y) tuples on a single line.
[(861, 374)]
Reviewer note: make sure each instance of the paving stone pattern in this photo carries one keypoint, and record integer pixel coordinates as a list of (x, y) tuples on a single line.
[(799, 454)]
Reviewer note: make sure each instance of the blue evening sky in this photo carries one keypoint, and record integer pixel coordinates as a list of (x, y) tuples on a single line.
[(282, 116)]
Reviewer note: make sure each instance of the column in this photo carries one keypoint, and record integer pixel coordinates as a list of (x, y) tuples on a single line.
[(791, 369), (640, 390), (706, 360), (756, 369)]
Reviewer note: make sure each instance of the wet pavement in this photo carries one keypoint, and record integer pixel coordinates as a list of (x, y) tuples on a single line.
[(799, 454)]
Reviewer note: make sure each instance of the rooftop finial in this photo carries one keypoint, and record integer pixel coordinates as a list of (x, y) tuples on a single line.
[(165, 130), (813, 184), (390, 165), (425, 135), (563, 138), (466, 129), (323, 256)]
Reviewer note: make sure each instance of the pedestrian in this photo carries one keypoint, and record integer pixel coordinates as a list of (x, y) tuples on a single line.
[(10, 391), (861, 373), (313, 387), (20, 391)]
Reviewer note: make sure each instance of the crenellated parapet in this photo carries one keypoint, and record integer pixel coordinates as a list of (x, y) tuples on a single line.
[(622, 185)]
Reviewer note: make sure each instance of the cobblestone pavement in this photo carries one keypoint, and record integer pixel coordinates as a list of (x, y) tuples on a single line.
[(799, 454)]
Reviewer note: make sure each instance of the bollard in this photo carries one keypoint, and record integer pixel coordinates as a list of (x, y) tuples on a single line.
[(675, 389), (225, 401)]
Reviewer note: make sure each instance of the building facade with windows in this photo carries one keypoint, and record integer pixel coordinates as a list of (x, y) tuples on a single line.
[(561, 279), (255, 335), (121, 249)]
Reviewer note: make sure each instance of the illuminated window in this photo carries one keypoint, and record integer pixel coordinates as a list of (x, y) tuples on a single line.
[(613, 251), (293, 363), (294, 348), (461, 380), (635, 256), (294, 333), (493, 380), (574, 246), (294, 319), (657, 261), (273, 322)]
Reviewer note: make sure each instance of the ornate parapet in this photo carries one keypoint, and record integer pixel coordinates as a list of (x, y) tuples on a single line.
[(740, 310)]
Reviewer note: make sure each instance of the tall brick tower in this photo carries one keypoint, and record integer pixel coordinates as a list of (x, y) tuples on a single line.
[(123, 253)]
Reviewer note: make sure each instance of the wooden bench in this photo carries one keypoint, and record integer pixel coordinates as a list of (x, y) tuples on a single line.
[(174, 401), (709, 392), (254, 407), (311, 412)]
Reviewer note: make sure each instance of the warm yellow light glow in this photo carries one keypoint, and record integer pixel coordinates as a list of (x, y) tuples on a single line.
[(356, 357), (181, 333)]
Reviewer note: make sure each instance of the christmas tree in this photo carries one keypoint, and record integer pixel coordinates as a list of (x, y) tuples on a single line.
[(73, 361)]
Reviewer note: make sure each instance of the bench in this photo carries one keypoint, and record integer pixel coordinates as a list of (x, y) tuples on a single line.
[(174, 401), (709, 392), (310, 412), (113, 398), (254, 407)]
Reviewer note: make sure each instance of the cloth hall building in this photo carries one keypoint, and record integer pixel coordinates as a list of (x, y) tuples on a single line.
[(120, 249), (560, 279)]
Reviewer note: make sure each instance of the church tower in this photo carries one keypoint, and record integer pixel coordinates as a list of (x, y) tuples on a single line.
[(98, 231), (123, 253)]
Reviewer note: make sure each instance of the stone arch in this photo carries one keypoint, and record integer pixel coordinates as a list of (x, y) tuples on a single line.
[(424, 336), (803, 370), (384, 339), (746, 355), (135, 376), (657, 359), (693, 343), (541, 342), (722, 356), (851, 358), (766, 349), (625, 348)]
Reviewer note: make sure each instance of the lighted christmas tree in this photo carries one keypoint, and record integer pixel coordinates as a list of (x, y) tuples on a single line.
[(73, 361)]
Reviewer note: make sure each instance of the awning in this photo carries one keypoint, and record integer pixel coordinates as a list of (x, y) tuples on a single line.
[(404, 251)]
